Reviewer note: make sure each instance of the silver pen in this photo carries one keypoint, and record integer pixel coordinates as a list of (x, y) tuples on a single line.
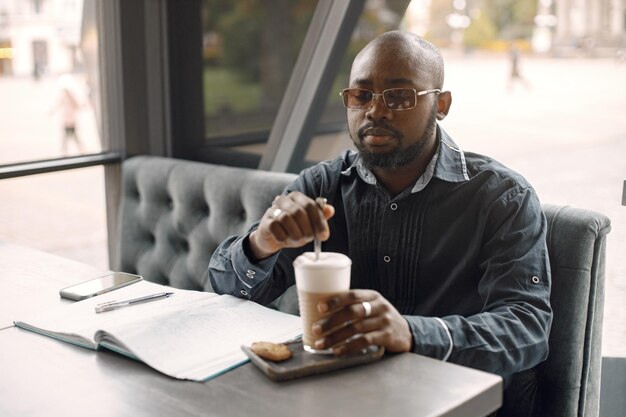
[(113, 305)]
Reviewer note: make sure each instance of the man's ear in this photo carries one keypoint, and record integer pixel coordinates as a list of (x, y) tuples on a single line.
[(444, 101)]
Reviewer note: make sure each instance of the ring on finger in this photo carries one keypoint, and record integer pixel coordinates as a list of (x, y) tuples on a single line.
[(367, 309), (276, 212)]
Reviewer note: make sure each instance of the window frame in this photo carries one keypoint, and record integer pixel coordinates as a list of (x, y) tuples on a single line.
[(302, 105)]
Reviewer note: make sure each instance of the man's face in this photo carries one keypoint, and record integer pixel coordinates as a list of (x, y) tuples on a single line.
[(385, 138)]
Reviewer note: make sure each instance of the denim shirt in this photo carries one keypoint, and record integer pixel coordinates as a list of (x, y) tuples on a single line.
[(461, 254)]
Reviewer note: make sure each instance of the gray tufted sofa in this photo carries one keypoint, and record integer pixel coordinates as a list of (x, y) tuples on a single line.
[(569, 380), (174, 213)]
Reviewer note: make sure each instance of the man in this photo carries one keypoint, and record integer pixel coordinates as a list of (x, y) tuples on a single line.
[(448, 248)]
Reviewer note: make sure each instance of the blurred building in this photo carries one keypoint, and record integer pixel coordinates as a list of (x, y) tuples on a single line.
[(580, 27), (39, 36)]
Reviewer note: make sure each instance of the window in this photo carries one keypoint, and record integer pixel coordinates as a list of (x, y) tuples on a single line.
[(199, 78), (50, 106), (62, 213), (47, 89)]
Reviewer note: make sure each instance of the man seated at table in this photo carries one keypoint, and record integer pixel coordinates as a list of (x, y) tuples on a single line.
[(448, 248)]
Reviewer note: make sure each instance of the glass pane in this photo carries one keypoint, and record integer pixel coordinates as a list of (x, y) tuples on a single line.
[(541, 90), (62, 213), (48, 79), (249, 50)]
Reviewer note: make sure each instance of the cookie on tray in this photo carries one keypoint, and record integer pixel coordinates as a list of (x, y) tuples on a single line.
[(275, 352)]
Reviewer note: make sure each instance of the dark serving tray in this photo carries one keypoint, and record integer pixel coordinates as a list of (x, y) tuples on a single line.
[(303, 363)]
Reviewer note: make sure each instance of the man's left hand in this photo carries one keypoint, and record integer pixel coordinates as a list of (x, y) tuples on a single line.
[(349, 328)]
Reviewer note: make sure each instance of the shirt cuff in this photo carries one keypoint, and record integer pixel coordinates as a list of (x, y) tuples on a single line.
[(431, 337), (250, 274), (445, 327)]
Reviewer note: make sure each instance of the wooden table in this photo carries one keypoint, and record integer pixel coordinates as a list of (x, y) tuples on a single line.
[(41, 376)]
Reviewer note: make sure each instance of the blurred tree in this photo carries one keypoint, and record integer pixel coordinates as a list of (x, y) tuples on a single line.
[(240, 29), (481, 32), (439, 32), (257, 41), (491, 20), (513, 19)]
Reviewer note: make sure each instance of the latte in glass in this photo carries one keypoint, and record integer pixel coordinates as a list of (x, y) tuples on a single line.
[(317, 279)]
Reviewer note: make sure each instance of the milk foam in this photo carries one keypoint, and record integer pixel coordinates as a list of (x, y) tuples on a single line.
[(331, 273)]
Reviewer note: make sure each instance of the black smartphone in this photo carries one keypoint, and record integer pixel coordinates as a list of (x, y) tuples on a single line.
[(99, 285)]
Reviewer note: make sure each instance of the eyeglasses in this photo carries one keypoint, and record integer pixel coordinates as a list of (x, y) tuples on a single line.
[(394, 98)]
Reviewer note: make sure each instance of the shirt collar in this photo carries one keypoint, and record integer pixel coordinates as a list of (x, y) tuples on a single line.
[(451, 166), (447, 164)]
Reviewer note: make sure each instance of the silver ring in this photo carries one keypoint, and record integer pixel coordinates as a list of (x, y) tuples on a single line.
[(368, 309), (276, 212)]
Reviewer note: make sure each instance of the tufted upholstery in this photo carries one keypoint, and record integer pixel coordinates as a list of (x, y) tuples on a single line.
[(174, 213), (569, 380)]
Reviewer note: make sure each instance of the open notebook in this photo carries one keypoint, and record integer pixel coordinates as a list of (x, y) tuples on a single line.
[(191, 335)]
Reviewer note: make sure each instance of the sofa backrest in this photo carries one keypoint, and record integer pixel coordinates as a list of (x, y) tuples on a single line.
[(569, 380), (174, 213)]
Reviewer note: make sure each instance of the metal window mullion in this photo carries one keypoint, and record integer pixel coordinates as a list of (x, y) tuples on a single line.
[(157, 75), (23, 169), (111, 83)]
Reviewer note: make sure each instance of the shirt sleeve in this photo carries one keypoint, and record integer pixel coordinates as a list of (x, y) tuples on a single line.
[(510, 333), (233, 271)]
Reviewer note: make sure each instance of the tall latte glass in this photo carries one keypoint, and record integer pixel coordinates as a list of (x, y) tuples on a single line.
[(317, 279)]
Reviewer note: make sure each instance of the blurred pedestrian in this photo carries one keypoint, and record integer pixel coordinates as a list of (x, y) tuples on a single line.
[(68, 105), (515, 75)]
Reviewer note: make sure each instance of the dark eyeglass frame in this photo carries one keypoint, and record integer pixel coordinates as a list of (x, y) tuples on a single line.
[(373, 95)]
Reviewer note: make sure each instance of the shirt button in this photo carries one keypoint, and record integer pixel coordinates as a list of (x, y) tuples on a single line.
[(249, 275), (394, 206), (535, 280), (250, 272), (387, 258), (243, 292)]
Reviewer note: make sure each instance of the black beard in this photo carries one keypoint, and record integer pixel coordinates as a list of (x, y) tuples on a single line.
[(399, 156)]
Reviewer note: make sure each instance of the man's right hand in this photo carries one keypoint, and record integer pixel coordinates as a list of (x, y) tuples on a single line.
[(292, 221)]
